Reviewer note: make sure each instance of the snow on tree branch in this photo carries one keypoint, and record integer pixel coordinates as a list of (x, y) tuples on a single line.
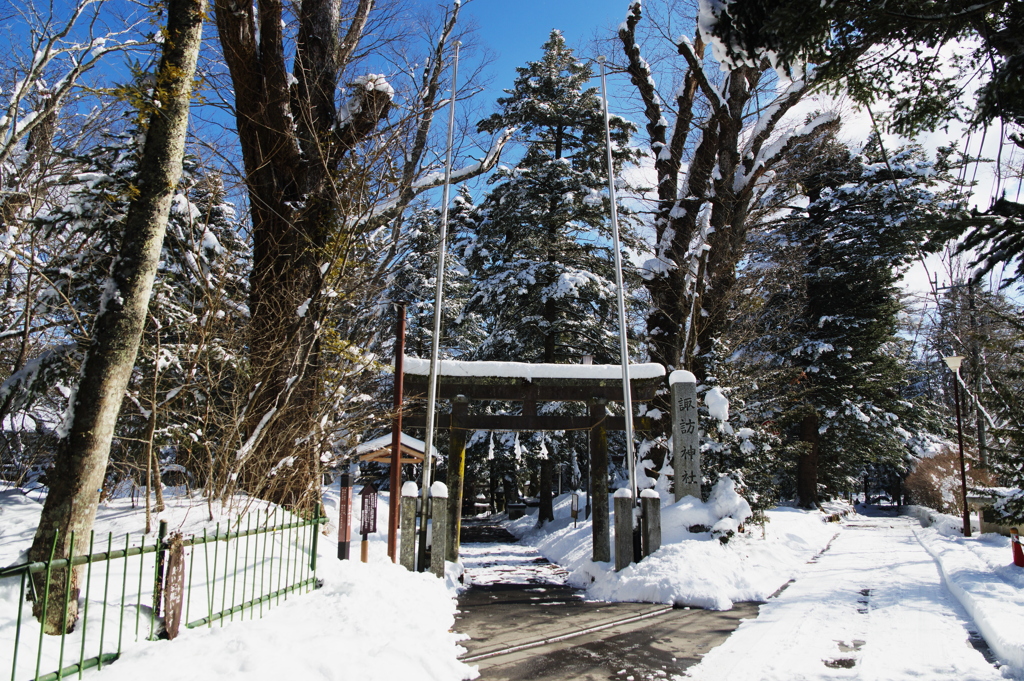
[(769, 155), (49, 48)]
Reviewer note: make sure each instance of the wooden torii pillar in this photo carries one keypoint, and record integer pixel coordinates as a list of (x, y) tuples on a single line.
[(465, 382)]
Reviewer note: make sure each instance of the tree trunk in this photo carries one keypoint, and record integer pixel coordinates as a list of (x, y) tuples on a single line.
[(309, 200), (807, 465), (80, 465)]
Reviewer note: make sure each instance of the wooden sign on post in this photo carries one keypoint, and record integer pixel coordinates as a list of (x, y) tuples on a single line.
[(368, 518)]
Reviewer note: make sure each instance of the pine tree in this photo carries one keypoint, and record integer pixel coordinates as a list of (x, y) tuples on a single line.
[(540, 249)]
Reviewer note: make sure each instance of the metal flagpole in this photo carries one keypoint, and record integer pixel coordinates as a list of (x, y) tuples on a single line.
[(428, 443), (617, 250)]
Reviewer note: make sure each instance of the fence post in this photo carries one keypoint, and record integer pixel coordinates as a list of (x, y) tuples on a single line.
[(410, 492), (161, 559), (316, 539), (623, 528), (439, 532), (650, 521), (174, 583)]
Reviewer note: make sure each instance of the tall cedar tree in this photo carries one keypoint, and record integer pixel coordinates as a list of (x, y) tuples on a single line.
[(540, 246), (843, 408)]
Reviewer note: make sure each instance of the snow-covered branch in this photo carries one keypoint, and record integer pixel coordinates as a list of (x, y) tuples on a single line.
[(49, 48), (754, 168), (689, 53)]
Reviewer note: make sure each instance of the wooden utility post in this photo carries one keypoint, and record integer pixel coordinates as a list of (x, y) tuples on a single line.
[(456, 475), (602, 552)]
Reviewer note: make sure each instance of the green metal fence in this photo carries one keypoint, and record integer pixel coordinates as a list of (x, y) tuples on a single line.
[(126, 587)]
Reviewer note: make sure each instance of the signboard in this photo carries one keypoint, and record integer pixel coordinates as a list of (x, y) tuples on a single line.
[(344, 516), (368, 525)]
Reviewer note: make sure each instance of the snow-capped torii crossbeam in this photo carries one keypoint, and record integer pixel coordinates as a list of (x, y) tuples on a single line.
[(597, 385)]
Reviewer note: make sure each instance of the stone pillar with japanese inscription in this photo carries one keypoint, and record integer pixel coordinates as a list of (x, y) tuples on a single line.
[(685, 434)]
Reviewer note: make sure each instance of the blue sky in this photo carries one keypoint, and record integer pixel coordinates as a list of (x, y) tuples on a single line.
[(515, 29)]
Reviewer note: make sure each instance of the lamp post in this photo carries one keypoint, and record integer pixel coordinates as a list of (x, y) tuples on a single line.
[(954, 365)]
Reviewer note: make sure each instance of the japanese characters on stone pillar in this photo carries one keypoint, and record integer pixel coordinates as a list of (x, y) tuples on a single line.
[(685, 434)]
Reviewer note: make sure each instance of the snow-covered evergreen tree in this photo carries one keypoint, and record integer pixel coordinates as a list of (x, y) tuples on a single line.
[(828, 330), (188, 358), (540, 245), (414, 281)]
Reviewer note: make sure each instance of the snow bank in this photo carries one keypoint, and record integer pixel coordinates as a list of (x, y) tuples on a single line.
[(988, 588), (693, 567), (370, 621), (373, 621), (947, 525)]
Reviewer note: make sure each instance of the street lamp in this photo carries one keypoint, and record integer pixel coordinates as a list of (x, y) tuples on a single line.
[(954, 365)]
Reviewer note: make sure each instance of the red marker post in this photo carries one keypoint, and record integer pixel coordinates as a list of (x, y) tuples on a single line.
[(1018, 552), (345, 517)]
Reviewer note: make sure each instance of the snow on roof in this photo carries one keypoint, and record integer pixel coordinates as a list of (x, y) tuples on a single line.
[(385, 441), (421, 367)]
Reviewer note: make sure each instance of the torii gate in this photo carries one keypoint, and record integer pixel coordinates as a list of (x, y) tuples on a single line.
[(596, 385)]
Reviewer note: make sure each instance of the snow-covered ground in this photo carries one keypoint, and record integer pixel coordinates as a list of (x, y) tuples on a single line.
[(691, 568), (873, 606), (369, 621), (870, 598)]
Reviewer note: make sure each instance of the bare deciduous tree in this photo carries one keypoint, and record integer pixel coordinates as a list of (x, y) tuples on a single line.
[(318, 185)]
